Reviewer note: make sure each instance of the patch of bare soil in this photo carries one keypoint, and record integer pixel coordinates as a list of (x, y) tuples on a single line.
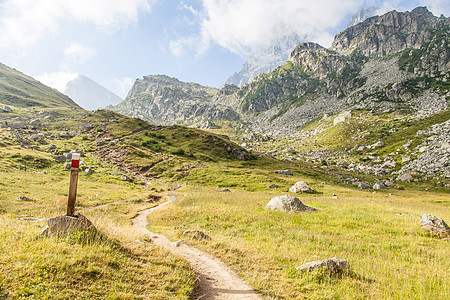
[(215, 280)]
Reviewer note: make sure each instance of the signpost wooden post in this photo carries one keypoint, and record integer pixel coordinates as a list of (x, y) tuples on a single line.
[(73, 184)]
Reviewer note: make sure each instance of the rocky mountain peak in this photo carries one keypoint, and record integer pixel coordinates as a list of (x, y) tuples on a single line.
[(386, 34)]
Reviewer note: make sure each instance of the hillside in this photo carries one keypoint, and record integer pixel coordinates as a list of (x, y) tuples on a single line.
[(20, 90)]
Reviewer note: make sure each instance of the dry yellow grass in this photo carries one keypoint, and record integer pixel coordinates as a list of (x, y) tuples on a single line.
[(378, 233)]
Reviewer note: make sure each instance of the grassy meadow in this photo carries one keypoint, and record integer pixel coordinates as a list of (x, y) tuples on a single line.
[(377, 233), (116, 263)]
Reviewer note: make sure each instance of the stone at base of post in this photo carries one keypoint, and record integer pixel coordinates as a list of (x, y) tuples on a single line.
[(64, 225)]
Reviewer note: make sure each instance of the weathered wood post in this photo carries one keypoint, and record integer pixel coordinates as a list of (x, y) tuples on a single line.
[(73, 184)]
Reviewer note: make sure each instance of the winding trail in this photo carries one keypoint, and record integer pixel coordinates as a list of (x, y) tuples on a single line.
[(215, 280)]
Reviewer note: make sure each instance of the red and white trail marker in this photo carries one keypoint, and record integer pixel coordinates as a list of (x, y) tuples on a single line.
[(73, 184)]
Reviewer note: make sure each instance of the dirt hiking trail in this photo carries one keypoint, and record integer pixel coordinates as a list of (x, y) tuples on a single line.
[(215, 280)]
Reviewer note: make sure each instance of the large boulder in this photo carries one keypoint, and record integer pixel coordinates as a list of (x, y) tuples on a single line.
[(288, 203), (65, 225), (301, 187), (332, 265), (434, 224)]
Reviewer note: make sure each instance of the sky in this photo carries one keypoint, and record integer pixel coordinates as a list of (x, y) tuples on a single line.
[(114, 42)]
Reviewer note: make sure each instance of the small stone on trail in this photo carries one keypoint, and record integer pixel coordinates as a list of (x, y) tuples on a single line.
[(272, 186), (225, 190), (196, 234), (332, 265), (288, 203), (177, 243)]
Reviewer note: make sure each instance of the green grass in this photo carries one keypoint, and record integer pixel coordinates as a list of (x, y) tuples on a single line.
[(21, 91), (390, 256), (110, 265)]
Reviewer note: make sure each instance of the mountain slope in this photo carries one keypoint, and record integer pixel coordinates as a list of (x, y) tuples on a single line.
[(89, 94), (20, 90), (385, 62), (396, 66)]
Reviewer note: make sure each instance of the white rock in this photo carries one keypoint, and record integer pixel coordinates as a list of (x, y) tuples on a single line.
[(288, 203)]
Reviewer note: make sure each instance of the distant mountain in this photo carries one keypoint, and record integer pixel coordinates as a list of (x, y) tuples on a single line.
[(265, 60), (399, 60), (362, 15), (89, 94), (368, 103), (20, 90)]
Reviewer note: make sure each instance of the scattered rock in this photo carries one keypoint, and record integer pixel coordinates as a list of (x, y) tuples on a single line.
[(60, 158), (301, 187), (404, 177), (272, 186), (225, 190), (434, 224), (406, 159), (68, 165), (379, 186), (125, 178), (364, 186), (7, 109), (359, 148), (88, 170), (284, 172), (376, 145), (24, 198), (288, 203), (342, 117), (332, 265), (64, 225), (86, 126), (52, 147), (388, 183), (177, 243), (64, 135), (40, 137), (35, 124), (196, 234)]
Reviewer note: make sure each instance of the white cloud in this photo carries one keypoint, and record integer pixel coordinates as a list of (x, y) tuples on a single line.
[(123, 86), (77, 54), (240, 24), (56, 80), (24, 22)]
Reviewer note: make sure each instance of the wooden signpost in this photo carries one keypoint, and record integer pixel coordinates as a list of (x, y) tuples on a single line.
[(73, 184)]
